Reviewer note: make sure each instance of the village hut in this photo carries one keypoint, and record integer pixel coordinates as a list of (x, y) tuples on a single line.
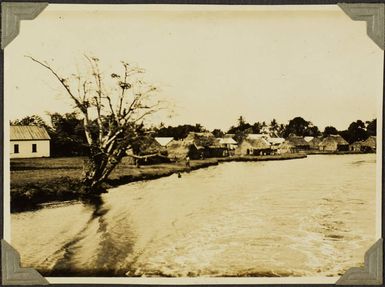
[(356, 146), (29, 142), (334, 143), (180, 149), (286, 147), (299, 142), (254, 146), (208, 143), (275, 143), (314, 143), (228, 143), (147, 150), (369, 145)]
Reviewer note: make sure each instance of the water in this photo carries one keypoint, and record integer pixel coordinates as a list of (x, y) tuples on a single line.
[(304, 217)]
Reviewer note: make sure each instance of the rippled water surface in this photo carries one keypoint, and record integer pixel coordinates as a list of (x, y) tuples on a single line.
[(304, 217)]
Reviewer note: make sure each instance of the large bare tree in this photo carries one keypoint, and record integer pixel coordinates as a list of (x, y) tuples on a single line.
[(111, 112)]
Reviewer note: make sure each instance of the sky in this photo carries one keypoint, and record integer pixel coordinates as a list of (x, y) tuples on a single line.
[(212, 63)]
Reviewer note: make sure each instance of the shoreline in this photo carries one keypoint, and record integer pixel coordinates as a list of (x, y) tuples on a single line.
[(27, 195)]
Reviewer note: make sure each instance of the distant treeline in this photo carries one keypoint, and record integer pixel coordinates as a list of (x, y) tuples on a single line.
[(68, 137)]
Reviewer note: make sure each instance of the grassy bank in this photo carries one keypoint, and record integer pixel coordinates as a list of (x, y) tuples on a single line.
[(36, 181)]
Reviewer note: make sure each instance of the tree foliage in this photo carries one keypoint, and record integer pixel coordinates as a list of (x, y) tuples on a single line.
[(111, 109), (33, 120), (301, 127), (178, 132), (68, 135), (329, 130)]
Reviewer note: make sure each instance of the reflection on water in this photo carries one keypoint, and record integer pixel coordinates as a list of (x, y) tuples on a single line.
[(305, 217)]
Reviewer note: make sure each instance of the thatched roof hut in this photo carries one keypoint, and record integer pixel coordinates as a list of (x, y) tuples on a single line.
[(146, 150), (369, 145), (356, 146), (314, 143), (286, 147), (254, 146), (228, 143), (334, 143), (299, 142), (180, 149)]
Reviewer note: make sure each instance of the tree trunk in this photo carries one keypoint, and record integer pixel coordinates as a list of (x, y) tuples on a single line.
[(97, 169)]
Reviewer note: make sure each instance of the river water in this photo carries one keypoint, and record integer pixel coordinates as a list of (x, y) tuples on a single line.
[(303, 217)]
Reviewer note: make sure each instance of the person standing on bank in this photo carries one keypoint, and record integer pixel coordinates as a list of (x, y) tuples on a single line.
[(187, 162)]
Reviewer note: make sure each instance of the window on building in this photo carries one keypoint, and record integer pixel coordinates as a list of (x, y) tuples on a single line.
[(16, 148), (34, 148)]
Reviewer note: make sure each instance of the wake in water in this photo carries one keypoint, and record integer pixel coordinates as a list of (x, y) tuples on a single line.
[(312, 217)]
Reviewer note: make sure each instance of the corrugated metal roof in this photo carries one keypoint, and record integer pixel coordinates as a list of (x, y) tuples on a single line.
[(28, 133)]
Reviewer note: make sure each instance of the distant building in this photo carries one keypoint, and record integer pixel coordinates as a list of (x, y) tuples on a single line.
[(299, 142), (286, 147), (197, 146), (29, 142), (254, 146), (275, 143), (148, 151), (356, 146), (314, 143), (228, 143), (180, 149), (369, 145), (334, 143)]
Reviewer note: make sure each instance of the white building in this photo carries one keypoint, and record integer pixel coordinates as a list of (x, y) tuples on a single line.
[(29, 141)]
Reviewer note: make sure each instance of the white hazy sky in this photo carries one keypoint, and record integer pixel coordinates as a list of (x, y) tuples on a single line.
[(213, 63)]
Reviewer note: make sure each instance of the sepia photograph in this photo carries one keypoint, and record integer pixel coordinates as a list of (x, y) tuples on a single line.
[(193, 143)]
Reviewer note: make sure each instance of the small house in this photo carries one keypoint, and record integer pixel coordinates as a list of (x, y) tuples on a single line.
[(369, 145), (275, 143), (228, 143), (286, 147), (147, 150), (180, 149), (254, 146), (314, 143), (356, 146), (334, 143), (29, 142), (207, 143), (299, 142)]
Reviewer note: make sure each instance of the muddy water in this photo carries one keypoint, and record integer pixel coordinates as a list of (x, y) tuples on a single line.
[(305, 217)]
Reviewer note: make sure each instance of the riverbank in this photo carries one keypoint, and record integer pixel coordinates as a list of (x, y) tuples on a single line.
[(43, 180)]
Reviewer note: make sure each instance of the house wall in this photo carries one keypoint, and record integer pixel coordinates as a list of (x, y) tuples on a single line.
[(25, 149)]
